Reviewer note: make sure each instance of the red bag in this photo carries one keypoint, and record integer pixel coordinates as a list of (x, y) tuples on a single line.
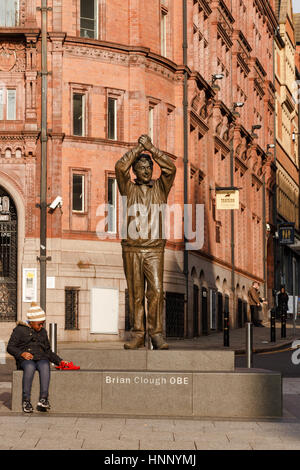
[(67, 366)]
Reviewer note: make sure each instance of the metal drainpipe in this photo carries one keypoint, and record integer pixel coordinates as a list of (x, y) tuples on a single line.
[(276, 243), (185, 151), (43, 176), (232, 223), (264, 238)]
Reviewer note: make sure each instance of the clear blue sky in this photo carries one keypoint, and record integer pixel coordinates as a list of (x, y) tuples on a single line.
[(296, 6)]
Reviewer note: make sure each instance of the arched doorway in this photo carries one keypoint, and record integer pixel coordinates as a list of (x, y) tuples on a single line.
[(8, 257)]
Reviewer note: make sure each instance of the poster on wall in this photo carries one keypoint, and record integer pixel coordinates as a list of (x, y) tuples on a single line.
[(104, 311), (29, 285)]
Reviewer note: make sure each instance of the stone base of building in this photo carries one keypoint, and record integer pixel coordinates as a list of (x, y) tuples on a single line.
[(167, 384)]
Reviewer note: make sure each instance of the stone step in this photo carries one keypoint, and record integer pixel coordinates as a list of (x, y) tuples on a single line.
[(243, 393), (143, 359)]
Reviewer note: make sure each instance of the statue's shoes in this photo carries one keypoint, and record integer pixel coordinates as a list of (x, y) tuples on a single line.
[(158, 342), (135, 343)]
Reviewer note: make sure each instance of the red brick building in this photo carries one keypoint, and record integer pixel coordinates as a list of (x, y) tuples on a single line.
[(287, 151), (173, 69)]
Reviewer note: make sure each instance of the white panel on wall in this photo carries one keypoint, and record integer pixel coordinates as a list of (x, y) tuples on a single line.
[(104, 310)]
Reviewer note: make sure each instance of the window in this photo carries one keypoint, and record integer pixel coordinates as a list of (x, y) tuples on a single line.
[(1, 105), (151, 122), (78, 191), (71, 308), (112, 118), (218, 233), (112, 205), (11, 105), (170, 130), (88, 19), (79, 114), (9, 13), (8, 103), (163, 32)]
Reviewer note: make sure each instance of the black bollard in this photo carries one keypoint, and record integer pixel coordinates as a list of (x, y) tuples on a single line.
[(226, 329), (249, 345), (273, 325), (283, 323)]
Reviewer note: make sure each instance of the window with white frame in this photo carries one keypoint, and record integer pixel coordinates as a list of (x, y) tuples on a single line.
[(8, 104), (11, 105), (79, 114), (89, 19), (163, 32), (111, 204), (78, 192), (9, 13), (151, 122)]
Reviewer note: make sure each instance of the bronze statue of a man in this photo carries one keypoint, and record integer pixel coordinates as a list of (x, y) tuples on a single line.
[(143, 253)]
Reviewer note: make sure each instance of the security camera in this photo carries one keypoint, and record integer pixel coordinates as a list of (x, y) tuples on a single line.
[(268, 228), (56, 203)]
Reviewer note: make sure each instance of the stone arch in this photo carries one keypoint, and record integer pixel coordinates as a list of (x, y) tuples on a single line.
[(8, 152), (225, 287), (218, 284), (244, 293), (193, 273), (18, 152), (10, 186)]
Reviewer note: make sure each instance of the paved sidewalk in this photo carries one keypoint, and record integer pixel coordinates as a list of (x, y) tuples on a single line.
[(237, 342), (41, 431)]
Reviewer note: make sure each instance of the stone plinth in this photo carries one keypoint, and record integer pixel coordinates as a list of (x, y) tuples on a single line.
[(243, 393)]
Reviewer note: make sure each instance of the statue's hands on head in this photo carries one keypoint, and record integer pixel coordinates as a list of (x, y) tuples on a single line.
[(146, 142)]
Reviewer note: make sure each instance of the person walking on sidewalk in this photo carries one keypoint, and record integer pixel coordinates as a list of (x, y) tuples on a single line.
[(30, 347), (255, 301), (283, 300)]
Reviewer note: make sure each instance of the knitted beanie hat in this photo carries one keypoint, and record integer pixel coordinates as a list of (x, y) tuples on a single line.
[(35, 313)]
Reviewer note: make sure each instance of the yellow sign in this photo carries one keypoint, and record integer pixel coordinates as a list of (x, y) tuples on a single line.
[(227, 199)]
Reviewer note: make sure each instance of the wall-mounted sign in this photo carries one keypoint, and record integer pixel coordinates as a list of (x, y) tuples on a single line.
[(227, 199), (29, 285), (286, 233)]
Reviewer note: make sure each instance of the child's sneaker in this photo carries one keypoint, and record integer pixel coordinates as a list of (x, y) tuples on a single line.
[(27, 406), (43, 404)]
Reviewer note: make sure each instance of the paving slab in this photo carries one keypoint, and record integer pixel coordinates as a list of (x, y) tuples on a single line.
[(199, 435), (111, 444), (220, 444), (146, 434), (167, 445), (46, 443), (98, 435)]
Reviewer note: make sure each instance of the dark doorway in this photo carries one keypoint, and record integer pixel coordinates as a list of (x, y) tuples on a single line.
[(204, 311), (174, 315), (196, 311), (240, 313), (220, 311), (8, 257), (245, 309)]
